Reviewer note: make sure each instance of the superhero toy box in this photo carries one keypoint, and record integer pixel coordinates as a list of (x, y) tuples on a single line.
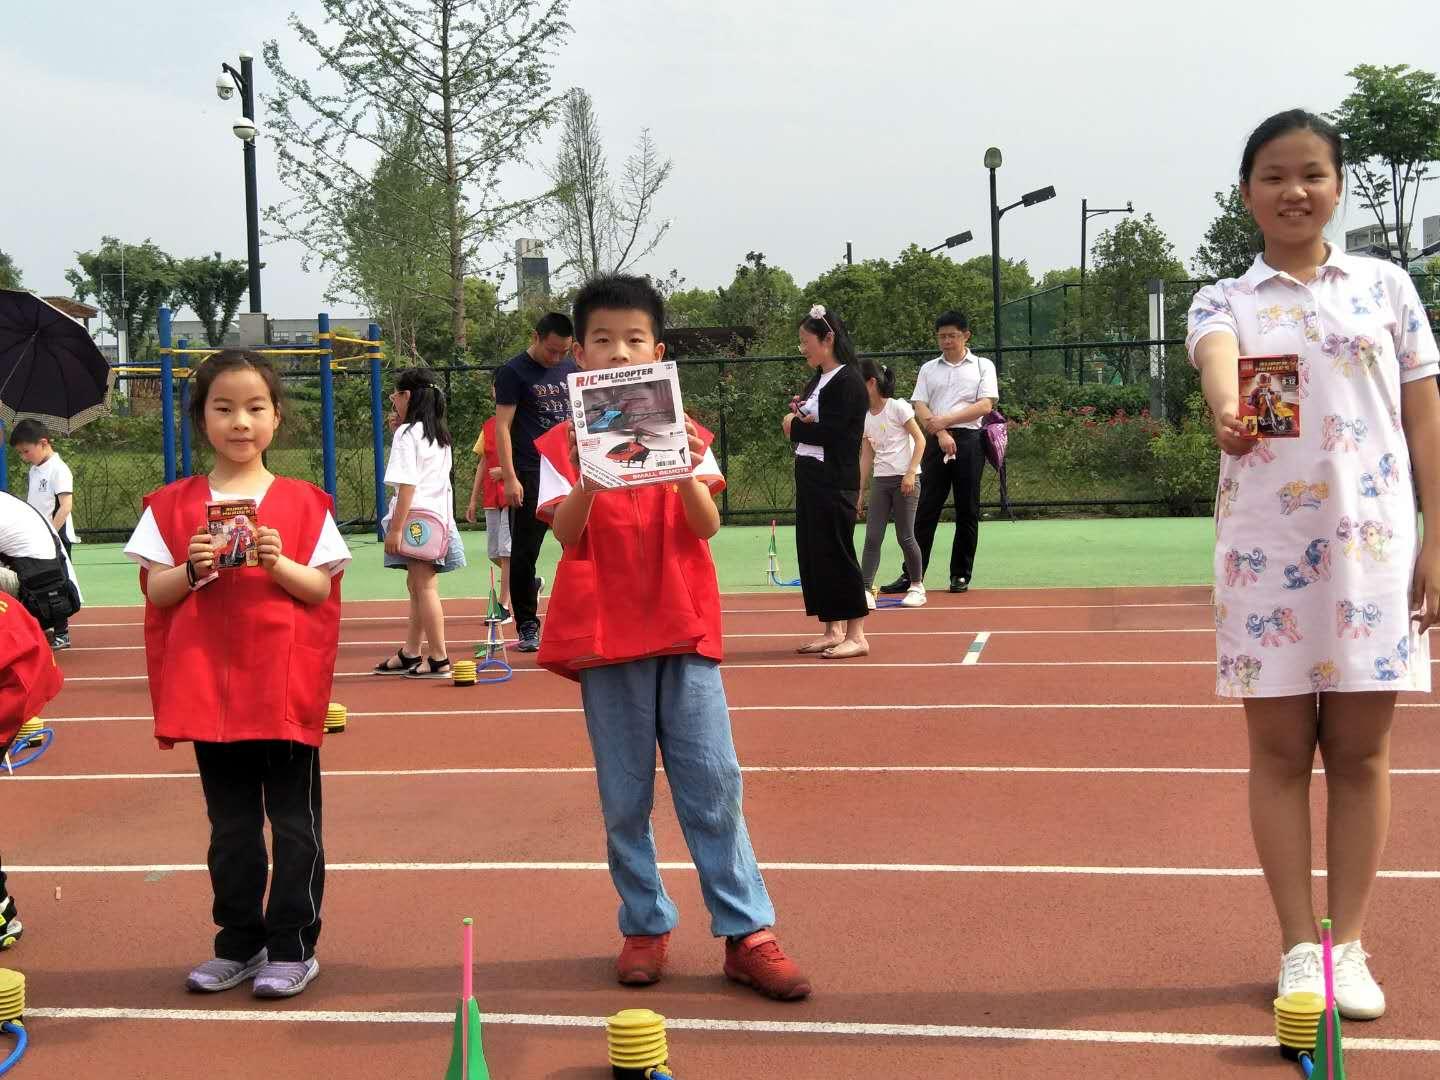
[(1270, 396)]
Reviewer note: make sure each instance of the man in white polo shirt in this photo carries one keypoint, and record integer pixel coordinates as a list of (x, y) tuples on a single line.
[(953, 394)]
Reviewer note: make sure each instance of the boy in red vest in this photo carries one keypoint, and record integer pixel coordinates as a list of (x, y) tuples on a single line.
[(635, 618), (29, 679)]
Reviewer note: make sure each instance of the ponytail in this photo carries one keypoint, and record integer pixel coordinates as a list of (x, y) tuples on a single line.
[(884, 377), (427, 403)]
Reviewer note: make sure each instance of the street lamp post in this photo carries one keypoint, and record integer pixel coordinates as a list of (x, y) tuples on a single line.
[(951, 242), (245, 130), (993, 161), (1085, 215)]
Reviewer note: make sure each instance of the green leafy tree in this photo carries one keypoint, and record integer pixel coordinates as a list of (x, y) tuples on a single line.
[(858, 293), (212, 288), (130, 283), (390, 253), (1232, 241), (692, 307), (761, 296), (1391, 122), (1126, 257), (10, 276), (473, 74)]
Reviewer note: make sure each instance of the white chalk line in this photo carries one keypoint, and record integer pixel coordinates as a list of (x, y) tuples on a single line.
[(588, 770), (542, 866), (1004, 706), (769, 1027)]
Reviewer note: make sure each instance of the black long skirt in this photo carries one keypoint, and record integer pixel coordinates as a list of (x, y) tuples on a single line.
[(825, 546)]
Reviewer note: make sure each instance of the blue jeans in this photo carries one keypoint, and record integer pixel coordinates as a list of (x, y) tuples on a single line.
[(679, 702)]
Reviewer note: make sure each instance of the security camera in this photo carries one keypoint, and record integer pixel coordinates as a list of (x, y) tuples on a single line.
[(244, 129), (224, 86)]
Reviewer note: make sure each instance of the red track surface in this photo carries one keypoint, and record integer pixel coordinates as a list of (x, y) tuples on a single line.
[(948, 920)]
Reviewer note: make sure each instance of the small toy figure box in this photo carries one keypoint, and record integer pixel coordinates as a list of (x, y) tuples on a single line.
[(630, 425), (1270, 396), (233, 528)]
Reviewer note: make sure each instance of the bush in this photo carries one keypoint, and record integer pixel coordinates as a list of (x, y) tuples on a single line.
[(1026, 394), (1187, 461)]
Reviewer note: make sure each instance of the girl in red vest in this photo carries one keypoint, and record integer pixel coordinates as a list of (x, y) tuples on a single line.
[(252, 702)]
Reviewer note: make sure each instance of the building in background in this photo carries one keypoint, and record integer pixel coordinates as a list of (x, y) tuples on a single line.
[(532, 273)]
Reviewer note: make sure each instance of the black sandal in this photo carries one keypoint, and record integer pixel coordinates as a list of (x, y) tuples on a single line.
[(431, 668), (405, 667)]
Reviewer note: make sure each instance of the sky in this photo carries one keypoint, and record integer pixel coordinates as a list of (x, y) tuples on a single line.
[(794, 127)]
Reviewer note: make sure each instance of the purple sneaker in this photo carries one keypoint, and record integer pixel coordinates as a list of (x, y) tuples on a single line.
[(215, 975), (285, 978)]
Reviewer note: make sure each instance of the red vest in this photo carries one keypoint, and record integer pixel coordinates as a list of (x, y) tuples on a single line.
[(240, 658), (29, 678), (638, 582)]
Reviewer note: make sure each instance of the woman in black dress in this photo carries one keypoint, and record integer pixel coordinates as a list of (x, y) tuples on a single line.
[(826, 424)]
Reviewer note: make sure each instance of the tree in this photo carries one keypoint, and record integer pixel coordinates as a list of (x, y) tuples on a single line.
[(597, 227), (10, 276), (393, 238), (1232, 241), (474, 76), (761, 296), (211, 287), (1126, 258), (1391, 122), (131, 283)]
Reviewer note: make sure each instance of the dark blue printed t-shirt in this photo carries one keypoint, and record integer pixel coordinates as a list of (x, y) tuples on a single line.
[(541, 397)]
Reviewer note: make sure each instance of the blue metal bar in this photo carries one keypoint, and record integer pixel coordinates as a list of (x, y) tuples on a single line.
[(327, 412), (377, 425), (167, 394), (184, 420)]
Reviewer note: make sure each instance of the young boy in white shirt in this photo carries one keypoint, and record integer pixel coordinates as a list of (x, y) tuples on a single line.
[(52, 485)]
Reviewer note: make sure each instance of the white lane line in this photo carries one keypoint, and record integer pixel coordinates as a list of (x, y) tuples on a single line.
[(972, 654), (537, 866), (557, 770), (773, 636), (770, 1027), (929, 610), (1122, 707)]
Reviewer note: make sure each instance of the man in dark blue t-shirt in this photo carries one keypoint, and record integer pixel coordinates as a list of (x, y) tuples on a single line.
[(531, 397)]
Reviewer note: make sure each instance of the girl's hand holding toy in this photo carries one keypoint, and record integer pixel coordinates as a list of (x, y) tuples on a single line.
[(202, 553), (1230, 433), (269, 545)]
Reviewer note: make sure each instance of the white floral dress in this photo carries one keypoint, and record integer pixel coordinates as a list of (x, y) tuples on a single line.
[(1316, 536)]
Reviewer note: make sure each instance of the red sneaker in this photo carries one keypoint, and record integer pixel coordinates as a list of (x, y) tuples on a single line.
[(642, 960), (758, 961)]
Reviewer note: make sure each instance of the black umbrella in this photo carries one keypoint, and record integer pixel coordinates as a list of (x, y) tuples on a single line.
[(50, 366)]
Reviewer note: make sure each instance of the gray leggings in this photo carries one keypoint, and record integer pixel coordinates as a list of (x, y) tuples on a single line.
[(887, 501)]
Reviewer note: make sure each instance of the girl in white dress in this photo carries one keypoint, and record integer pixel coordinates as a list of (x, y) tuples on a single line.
[(1323, 589)]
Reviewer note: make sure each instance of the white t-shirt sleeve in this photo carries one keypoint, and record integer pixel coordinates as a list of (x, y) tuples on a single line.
[(404, 464), (708, 472), (1210, 313), (903, 411), (331, 552), (553, 488), (62, 480), (146, 546)]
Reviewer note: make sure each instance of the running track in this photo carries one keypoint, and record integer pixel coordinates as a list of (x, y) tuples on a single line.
[(1033, 865)]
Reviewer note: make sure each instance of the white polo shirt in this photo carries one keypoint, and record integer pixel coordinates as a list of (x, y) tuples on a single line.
[(944, 387)]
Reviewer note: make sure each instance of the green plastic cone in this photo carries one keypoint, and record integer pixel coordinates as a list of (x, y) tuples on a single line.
[(1328, 1044), (475, 1068), (493, 611)]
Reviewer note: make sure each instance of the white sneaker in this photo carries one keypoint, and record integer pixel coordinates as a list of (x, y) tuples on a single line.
[(914, 596), (869, 600), (1357, 994), (1302, 970)]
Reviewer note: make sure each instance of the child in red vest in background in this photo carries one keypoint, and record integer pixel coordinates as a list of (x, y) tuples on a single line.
[(29, 679), (489, 491), (635, 618), (241, 662)]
